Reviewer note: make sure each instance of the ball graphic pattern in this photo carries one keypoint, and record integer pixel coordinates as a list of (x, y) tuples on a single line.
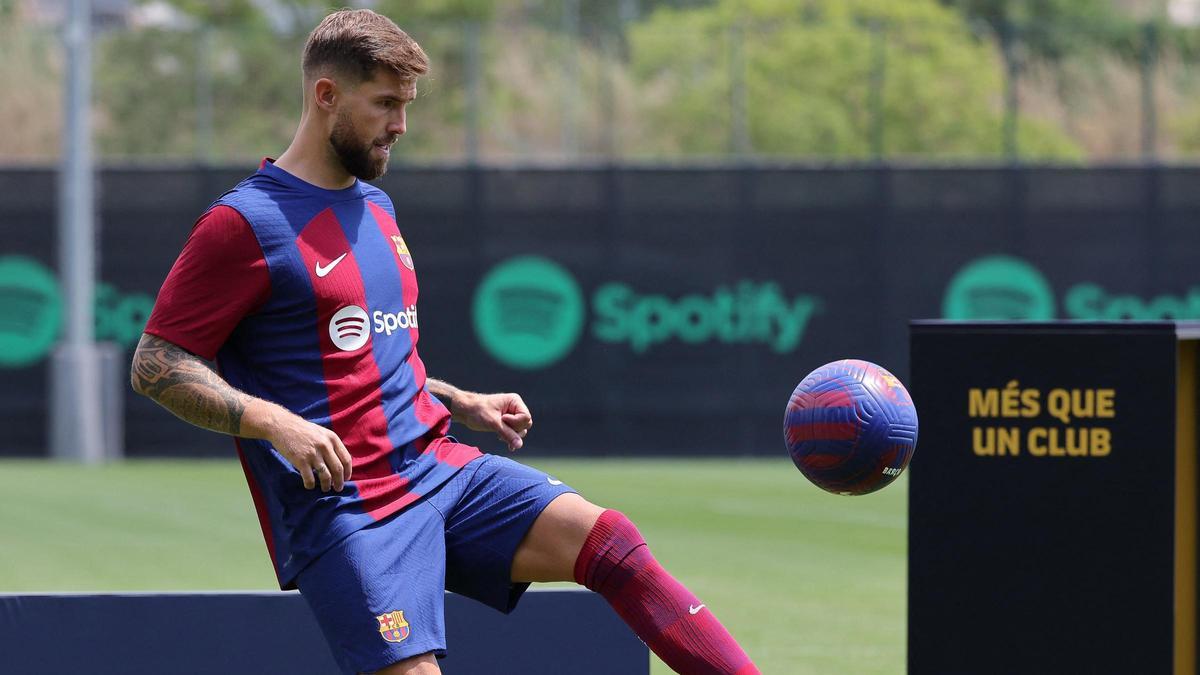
[(851, 427)]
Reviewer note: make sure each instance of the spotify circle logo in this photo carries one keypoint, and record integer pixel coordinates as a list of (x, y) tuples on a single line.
[(30, 311), (528, 312), (1001, 288), (350, 328)]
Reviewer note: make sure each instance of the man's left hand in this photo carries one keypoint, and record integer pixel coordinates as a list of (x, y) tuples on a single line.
[(505, 414)]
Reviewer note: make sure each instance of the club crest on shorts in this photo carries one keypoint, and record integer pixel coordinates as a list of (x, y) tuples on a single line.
[(402, 251), (393, 627)]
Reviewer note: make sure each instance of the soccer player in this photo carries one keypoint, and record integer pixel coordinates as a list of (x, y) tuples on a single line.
[(300, 286)]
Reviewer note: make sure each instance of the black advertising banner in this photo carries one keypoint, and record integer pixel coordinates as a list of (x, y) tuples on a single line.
[(646, 311), (1047, 533)]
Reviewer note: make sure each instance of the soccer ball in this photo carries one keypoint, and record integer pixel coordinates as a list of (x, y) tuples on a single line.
[(851, 427)]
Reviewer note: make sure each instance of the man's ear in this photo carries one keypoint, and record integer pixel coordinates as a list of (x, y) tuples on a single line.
[(325, 94)]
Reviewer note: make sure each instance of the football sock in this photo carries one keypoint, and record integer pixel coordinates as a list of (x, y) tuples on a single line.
[(616, 563)]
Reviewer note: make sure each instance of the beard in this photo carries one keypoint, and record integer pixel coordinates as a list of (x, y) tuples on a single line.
[(353, 152)]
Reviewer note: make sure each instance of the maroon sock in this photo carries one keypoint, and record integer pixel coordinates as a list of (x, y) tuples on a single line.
[(616, 563)]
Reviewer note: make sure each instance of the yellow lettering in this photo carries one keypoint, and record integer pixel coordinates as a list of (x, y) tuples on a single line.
[(1058, 404), (1010, 399), (1077, 442), (1069, 442), (983, 403), (1106, 403), (1056, 450), (993, 441), (1030, 404), (1037, 441), (1083, 403), (1009, 442), (983, 441)]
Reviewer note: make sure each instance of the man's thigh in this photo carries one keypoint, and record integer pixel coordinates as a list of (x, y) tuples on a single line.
[(486, 525), (378, 595)]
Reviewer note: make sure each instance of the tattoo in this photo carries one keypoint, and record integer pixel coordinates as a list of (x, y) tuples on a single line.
[(187, 386)]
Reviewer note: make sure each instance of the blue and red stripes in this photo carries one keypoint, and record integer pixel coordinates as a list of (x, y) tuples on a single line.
[(351, 377), (376, 393), (328, 251), (848, 427)]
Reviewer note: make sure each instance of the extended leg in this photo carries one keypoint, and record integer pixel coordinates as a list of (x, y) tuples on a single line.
[(574, 540)]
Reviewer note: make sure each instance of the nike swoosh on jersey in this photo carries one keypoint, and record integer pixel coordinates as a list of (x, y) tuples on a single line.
[(695, 610), (322, 271)]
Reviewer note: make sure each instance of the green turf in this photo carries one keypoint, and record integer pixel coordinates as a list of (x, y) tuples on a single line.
[(807, 582)]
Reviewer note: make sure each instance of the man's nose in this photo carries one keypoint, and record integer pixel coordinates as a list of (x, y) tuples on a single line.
[(397, 126)]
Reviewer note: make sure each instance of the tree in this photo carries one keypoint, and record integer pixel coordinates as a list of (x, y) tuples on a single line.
[(819, 75), (243, 66), (426, 11), (1055, 29), (145, 94)]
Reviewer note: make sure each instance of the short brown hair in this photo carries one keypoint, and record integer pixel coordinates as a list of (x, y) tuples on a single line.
[(356, 42)]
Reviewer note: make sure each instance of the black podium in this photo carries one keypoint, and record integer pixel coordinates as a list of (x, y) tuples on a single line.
[(1052, 512)]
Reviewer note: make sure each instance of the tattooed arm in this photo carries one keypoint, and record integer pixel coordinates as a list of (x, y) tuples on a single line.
[(184, 384)]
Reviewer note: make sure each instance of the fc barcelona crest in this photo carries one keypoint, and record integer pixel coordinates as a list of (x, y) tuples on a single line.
[(393, 627), (402, 251)]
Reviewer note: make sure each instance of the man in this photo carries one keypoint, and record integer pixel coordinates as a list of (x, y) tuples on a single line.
[(286, 281)]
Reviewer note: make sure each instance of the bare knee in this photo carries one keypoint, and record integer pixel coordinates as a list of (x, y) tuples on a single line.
[(549, 549), (425, 664)]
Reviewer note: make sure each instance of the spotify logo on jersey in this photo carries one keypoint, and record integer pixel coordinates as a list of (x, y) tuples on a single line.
[(528, 312), (350, 328)]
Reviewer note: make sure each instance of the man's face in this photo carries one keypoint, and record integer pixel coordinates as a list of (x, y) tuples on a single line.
[(370, 117)]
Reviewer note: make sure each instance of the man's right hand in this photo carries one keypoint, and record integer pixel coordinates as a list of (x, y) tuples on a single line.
[(187, 386), (316, 452)]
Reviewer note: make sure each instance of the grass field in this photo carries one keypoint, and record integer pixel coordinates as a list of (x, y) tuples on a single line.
[(808, 582)]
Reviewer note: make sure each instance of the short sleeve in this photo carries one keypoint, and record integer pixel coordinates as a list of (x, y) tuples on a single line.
[(219, 278)]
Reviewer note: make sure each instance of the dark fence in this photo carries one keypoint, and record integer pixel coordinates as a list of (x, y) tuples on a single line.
[(651, 311)]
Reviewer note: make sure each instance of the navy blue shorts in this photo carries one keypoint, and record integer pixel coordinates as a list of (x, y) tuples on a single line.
[(378, 595)]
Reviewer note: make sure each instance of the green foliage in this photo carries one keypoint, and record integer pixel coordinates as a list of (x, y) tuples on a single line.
[(145, 92), (808, 71), (1186, 128), (151, 87), (306, 13), (1055, 29), (257, 93), (437, 117), (219, 12), (418, 11), (596, 17), (842, 79)]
